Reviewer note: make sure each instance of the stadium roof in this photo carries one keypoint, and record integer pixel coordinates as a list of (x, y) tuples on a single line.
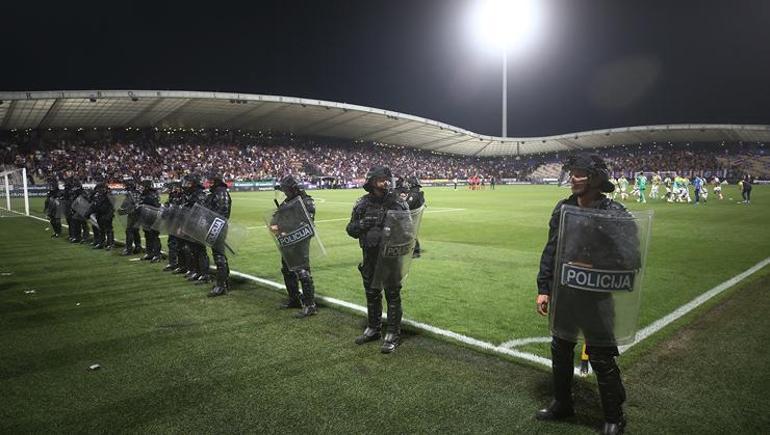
[(188, 109)]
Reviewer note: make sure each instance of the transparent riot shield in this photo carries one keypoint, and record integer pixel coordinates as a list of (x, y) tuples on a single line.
[(55, 208), (149, 217), (399, 234), (171, 220), (124, 213), (209, 228), (80, 208), (295, 234), (598, 272)]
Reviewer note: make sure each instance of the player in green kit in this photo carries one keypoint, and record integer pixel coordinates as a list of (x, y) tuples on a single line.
[(641, 186)]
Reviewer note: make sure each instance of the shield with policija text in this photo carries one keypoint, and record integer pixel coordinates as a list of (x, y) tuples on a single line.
[(598, 271), (80, 207), (295, 234), (201, 225), (399, 235)]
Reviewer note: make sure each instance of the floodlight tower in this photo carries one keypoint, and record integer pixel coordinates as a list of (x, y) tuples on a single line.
[(504, 25)]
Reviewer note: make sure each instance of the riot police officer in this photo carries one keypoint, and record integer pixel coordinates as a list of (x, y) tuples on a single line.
[(91, 197), (366, 224), (219, 201), (53, 207), (66, 201), (589, 177), (150, 197), (103, 209), (410, 191), (292, 189), (196, 255), (130, 208), (78, 225), (172, 205)]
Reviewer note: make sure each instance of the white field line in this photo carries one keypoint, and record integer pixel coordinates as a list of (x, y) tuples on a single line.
[(666, 320), (469, 341), (522, 341), (695, 303), (502, 349)]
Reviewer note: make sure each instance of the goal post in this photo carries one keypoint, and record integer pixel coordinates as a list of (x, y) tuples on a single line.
[(14, 191)]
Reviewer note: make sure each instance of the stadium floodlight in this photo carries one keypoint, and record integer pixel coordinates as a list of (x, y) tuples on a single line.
[(504, 26)]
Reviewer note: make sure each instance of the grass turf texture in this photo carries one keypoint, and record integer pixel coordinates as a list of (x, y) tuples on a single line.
[(477, 276), (176, 361)]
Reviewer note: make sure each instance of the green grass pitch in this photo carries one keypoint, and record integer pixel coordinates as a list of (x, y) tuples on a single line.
[(175, 361), (482, 248)]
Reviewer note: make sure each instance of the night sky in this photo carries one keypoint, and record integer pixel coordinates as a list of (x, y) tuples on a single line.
[(591, 64)]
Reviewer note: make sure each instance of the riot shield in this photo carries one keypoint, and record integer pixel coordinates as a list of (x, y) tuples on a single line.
[(598, 271), (55, 208), (123, 206), (295, 234), (80, 208), (149, 217), (209, 228), (399, 233)]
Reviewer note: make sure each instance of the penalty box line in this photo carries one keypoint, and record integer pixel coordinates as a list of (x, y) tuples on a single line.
[(666, 320), (420, 326)]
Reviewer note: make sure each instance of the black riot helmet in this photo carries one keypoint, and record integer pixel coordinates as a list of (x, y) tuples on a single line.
[(413, 182), (374, 173), (147, 185), (217, 181), (191, 182), (53, 184), (594, 164), (289, 186)]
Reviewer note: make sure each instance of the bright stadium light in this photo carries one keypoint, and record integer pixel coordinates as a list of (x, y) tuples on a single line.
[(504, 26)]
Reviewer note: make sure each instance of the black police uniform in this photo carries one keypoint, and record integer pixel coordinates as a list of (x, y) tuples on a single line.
[(66, 202), (105, 212), (197, 257), (52, 208), (593, 311), (78, 226), (293, 278), (173, 204), (366, 225), (130, 208), (150, 197), (97, 233), (219, 201)]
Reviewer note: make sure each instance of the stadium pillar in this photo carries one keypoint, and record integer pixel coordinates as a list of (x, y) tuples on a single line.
[(26, 194), (505, 93)]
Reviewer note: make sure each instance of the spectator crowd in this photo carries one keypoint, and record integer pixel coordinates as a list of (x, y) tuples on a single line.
[(162, 155)]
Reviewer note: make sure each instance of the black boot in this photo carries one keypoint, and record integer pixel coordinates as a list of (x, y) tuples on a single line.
[(370, 334), (613, 428), (218, 291), (391, 342), (555, 411), (169, 268), (179, 270), (291, 302), (611, 390), (307, 311)]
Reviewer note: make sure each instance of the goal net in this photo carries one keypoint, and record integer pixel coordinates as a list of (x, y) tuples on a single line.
[(14, 197)]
